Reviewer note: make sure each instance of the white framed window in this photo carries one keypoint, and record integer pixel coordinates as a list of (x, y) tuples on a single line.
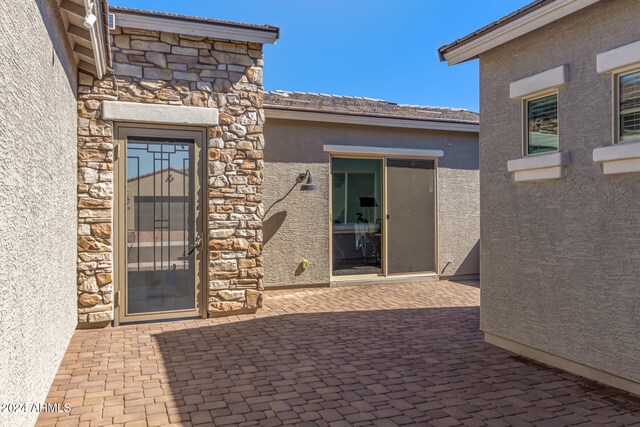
[(627, 107), (541, 124)]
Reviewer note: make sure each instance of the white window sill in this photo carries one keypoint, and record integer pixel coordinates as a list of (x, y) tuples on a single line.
[(619, 158), (542, 167)]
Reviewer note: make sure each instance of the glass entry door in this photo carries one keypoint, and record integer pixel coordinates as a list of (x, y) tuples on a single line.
[(411, 210), (161, 236)]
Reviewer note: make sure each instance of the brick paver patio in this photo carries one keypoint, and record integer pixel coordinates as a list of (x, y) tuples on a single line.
[(327, 356)]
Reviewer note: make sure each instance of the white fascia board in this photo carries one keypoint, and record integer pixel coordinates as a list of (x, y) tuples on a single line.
[(178, 26), (311, 116), (384, 151), (538, 83), (97, 39), (619, 58), (157, 113), (532, 21)]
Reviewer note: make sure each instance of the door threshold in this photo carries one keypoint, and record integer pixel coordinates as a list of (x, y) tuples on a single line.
[(368, 281), (165, 320)]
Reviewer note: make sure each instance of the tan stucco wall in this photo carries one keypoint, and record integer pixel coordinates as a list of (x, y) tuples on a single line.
[(37, 203), (559, 260), (298, 227)]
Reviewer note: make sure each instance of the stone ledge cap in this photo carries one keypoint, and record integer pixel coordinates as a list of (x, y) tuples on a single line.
[(159, 113)]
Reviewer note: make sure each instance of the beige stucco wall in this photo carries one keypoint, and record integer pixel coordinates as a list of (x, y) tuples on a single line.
[(298, 227), (560, 260), (37, 203)]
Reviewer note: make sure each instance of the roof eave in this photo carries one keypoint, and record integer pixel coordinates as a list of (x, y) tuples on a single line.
[(469, 48), (100, 45), (147, 21), (89, 43), (280, 112)]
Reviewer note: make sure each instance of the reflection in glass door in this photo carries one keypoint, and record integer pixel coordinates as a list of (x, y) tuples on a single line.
[(161, 227), (411, 210), (356, 216)]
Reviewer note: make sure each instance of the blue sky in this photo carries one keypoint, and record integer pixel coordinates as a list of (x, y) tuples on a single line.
[(383, 49)]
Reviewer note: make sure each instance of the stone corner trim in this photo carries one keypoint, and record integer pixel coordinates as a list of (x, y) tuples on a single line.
[(154, 113), (540, 82), (616, 59), (540, 167), (619, 158)]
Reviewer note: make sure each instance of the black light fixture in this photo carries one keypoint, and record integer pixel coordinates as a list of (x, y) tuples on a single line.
[(309, 185)]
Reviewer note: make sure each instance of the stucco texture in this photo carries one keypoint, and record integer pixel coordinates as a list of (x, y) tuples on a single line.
[(37, 203), (297, 227), (560, 259)]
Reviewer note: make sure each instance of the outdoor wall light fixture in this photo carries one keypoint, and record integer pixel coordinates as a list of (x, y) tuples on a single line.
[(306, 186), (309, 185)]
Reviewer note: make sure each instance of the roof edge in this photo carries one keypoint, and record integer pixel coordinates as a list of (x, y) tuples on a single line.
[(193, 25), (522, 21), (284, 113), (88, 38)]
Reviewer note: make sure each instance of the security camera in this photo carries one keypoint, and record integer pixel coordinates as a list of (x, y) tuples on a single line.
[(90, 20)]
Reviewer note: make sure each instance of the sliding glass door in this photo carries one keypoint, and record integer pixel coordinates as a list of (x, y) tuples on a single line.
[(383, 216), (411, 210), (356, 216)]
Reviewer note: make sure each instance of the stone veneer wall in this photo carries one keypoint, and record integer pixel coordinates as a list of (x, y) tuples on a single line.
[(167, 68)]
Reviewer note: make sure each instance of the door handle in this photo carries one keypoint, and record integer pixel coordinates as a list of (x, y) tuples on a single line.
[(196, 244)]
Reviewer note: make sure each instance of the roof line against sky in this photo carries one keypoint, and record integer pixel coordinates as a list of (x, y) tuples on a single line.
[(524, 20), (195, 19), (364, 107)]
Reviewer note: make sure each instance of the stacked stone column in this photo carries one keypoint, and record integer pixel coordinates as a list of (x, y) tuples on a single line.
[(166, 68)]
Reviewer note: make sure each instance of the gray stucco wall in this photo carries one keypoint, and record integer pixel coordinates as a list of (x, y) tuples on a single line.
[(37, 202), (298, 227), (560, 261)]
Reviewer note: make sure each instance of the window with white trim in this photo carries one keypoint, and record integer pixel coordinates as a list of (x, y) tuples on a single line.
[(541, 134), (628, 107)]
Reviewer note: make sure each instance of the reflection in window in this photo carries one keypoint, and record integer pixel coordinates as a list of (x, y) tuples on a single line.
[(542, 122), (629, 107), (356, 216)]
